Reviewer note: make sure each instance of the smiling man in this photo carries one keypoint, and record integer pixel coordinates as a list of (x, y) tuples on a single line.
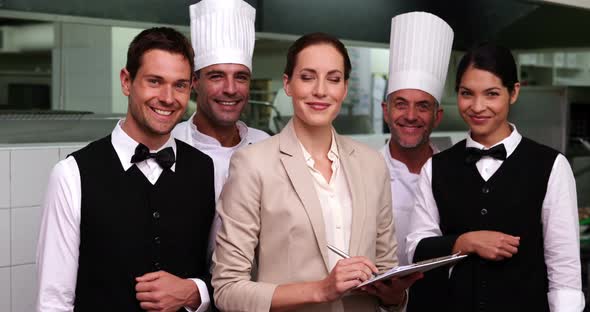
[(222, 35), (119, 231), (420, 49)]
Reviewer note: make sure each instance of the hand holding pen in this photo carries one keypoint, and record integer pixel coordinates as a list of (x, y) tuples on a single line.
[(347, 274), (394, 289), (343, 254)]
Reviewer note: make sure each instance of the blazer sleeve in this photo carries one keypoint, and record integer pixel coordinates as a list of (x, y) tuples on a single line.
[(237, 239), (386, 245)]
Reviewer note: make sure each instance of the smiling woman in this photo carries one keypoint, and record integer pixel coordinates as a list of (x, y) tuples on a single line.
[(310, 187), (504, 199), (317, 86)]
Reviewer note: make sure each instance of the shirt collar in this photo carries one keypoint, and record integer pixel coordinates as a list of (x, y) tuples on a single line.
[(332, 153), (398, 165), (125, 146), (510, 142), (208, 140)]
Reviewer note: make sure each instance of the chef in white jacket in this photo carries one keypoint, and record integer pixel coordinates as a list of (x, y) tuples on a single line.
[(222, 36), (420, 49)]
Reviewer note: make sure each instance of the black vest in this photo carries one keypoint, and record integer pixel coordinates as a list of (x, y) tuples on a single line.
[(130, 227), (509, 202)]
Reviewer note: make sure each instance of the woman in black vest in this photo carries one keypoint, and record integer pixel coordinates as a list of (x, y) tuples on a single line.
[(507, 201)]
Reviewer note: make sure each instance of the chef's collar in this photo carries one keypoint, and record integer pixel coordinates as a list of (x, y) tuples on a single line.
[(398, 165), (202, 138), (125, 146)]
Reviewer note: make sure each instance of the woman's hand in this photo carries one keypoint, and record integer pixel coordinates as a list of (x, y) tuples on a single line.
[(490, 245), (347, 274), (392, 291)]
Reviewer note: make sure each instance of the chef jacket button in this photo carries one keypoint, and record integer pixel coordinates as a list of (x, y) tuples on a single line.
[(484, 212), (485, 189), (157, 240), (157, 265), (156, 215)]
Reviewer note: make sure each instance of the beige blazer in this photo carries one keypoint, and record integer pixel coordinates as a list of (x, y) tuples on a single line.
[(271, 216)]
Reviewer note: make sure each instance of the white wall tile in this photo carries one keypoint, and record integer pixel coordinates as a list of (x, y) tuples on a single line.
[(4, 238), (24, 287), (30, 169), (5, 289), (4, 179), (25, 224), (65, 151)]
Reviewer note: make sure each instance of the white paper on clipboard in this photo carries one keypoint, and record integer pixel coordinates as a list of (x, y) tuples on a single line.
[(421, 266)]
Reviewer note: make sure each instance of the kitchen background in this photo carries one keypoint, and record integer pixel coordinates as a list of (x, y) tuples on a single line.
[(59, 85)]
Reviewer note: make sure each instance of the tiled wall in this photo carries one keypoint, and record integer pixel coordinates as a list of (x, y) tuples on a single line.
[(24, 173)]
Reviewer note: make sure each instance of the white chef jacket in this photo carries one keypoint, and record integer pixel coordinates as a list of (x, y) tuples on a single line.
[(559, 217), (59, 237), (403, 193), (187, 131)]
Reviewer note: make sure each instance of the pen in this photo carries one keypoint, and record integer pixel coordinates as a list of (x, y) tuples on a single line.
[(343, 254)]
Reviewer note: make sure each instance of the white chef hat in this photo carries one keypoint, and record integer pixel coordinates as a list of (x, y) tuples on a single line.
[(222, 31), (419, 52)]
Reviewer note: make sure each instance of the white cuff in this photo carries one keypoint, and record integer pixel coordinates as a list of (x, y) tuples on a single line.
[(567, 300), (204, 293)]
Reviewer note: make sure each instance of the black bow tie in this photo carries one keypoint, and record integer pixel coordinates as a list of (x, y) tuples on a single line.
[(165, 158), (472, 154)]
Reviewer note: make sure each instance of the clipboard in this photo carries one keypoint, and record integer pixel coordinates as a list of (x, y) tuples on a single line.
[(421, 266)]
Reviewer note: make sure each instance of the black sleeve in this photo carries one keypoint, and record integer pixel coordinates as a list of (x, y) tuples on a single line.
[(433, 247)]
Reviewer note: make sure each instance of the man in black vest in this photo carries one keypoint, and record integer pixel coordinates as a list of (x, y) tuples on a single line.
[(125, 223)]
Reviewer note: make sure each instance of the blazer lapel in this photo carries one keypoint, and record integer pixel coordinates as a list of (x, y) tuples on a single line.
[(354, 177), (292, 159)]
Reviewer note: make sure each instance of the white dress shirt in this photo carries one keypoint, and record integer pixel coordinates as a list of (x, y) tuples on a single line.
[(335, 200), (187, 132), (559, 217), (403, 194), (59, 237)]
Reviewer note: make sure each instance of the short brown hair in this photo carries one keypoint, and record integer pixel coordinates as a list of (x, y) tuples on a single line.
[(158, 38), (315, 39)]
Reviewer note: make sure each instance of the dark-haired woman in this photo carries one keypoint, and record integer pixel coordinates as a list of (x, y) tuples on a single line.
[(507, 201), (290, 196)]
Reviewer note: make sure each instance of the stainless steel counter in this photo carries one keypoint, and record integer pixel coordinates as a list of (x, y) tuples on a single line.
[(54, 126)]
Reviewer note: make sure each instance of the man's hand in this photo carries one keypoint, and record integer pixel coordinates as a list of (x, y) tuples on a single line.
[(347, 274), (392, 291), (162, 291), (489, 245)]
